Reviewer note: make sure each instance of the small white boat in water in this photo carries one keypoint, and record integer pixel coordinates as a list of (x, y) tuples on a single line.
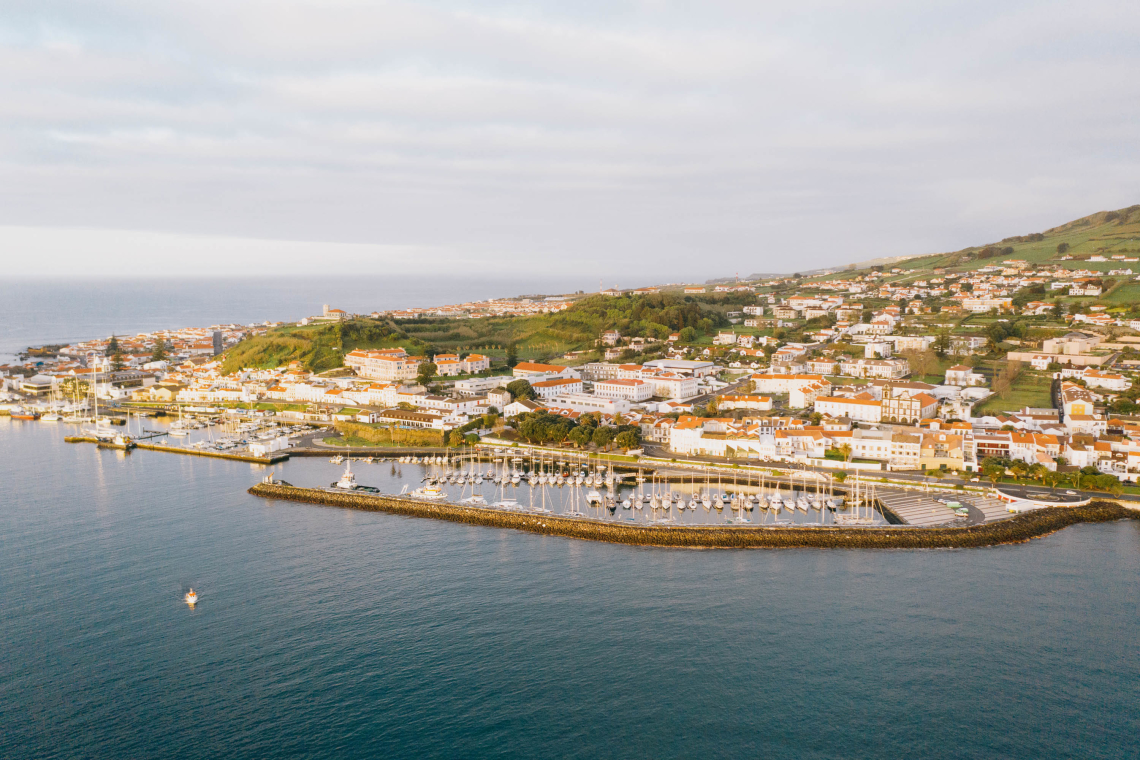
[(428, 492), (191, 598)]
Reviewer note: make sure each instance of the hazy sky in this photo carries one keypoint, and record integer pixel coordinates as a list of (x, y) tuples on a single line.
[(634, 141)]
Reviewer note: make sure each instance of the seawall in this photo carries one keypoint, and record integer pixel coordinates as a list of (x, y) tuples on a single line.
[(1015, 530)]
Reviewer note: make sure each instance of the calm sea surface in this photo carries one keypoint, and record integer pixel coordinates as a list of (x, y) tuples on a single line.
[(332, 633)]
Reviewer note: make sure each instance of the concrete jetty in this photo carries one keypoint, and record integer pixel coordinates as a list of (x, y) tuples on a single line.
[(279, 456)]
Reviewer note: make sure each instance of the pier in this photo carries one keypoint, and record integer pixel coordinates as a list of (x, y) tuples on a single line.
[(133, 444)]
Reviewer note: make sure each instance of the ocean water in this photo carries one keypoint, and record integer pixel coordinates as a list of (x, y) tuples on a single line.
[(333, 633)]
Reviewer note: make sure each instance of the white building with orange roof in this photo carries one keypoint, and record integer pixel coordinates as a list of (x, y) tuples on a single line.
[(862, 408), (768, 382), (1108, 380), (804, 395), (447, 365), (476, 363), (391, 365), (538, 372), (632, 390), (560, 386), (731, 401)]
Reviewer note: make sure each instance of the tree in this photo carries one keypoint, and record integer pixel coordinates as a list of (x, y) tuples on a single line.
[(159, 353), (942, 344), (116, 354), (845, 451), (920, 362), (688, 335), (603, 436), (712, 406), (629, 439), (455, 439), (868, 315), (1062, 247), (521, 390), (471, 439), (74, 388), (840, 476), (426, 373), (512, 354), (580, 436)]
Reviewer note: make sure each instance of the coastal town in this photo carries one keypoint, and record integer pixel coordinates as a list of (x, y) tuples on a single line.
[(993, 366)]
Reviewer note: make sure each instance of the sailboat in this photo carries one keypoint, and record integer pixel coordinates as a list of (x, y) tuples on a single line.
[(179, 428)]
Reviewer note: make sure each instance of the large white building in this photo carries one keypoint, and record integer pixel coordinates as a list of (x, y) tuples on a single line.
[(732, 401), (450, 364), (538, 372), (477, 386), (682, 367), (390, 364), (985, 303), (858, 409), (1110, 381), (671, 386), (581, 402), (634, 391), (548, 389), (886, 369)]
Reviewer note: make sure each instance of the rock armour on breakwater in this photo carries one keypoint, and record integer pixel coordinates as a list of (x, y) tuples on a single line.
[(1015, 530)]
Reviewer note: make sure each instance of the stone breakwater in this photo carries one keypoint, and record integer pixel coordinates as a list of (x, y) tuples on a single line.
[(1015, 530)]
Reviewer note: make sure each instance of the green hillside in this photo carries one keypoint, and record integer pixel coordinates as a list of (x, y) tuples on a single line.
[(541, 337), (1104, 233)]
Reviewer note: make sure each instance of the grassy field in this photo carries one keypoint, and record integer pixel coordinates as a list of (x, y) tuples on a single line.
[(1124, 294), (356, 442), (1031, 389)]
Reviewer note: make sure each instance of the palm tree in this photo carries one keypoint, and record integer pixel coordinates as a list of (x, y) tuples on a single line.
[(845, 451)]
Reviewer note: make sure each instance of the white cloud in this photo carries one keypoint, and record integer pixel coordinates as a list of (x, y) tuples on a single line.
[(691, 141)]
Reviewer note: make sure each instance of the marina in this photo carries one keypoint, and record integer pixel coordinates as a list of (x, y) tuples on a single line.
[(578, 487)]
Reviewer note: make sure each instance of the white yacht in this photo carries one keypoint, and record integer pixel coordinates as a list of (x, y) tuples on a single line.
[(429, 492), (191, 598), (347, 481)]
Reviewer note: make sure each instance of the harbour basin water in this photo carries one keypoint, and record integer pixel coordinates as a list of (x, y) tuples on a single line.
[(331, 633)]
